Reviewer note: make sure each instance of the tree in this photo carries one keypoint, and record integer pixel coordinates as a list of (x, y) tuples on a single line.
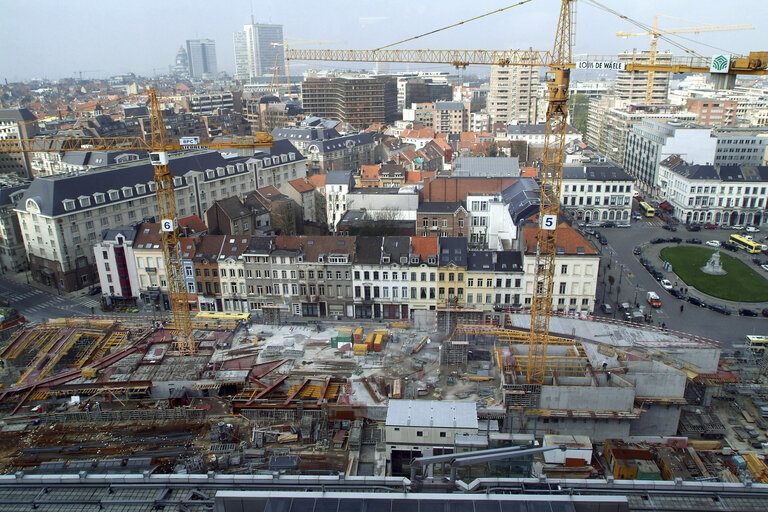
[(492, 150), (578, 107), (477, 103)]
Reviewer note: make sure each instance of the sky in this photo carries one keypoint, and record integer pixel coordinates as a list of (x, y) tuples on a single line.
[(55, 39)]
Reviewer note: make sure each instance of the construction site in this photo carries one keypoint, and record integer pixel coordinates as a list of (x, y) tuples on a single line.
[(106, 396)]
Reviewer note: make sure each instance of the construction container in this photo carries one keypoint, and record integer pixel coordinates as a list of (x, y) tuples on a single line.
[(383, 332), (359, 348), (358, 335), (369, 341), (377, 343)]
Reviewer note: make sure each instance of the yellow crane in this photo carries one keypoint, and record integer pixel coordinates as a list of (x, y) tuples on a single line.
[(655, 32), (559, 61), (285, 44), (158, 147)]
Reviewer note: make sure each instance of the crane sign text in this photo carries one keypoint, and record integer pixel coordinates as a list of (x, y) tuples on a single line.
[(595, 64)]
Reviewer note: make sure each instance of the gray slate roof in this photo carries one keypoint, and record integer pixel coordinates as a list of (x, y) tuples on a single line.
[(439, 207), (16, 114), (453, 249), (522, 198), (494, 167), (49, 191), (9, 194), (339, 178), (605, 172), (279, 147)]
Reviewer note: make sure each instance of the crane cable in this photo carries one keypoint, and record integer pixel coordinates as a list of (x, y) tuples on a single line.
[(453, 25), (647, 28)]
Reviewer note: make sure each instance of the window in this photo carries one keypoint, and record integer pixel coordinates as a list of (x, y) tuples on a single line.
[(419, 433)]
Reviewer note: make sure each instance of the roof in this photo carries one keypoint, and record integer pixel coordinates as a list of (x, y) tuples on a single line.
[(440, 207), (723, 173), (453, 251), (368, 250), (569, 241), (425, 247), (232, 207), (127, 232), (324, 139), (49, 192), (605, 172), (497, 167), (432, 413), (444, 188), (480, 260), (301, 185), (522, 199), (449, 105), (209, 247), (338, 178), (317, 180), (279, 147), (396, 247), (148, 234), (314, 246), (16, 114), (234, 246), (9, 195)]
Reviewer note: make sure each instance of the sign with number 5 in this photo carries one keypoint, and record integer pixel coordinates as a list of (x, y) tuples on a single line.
[(549, 222)]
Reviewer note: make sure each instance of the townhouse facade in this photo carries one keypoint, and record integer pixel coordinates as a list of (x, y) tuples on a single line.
[(440, 219), (597, 192), (719, 194)]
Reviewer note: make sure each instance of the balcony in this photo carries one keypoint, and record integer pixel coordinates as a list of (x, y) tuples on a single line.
[(151, 270)]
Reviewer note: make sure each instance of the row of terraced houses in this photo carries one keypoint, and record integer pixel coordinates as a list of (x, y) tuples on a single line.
[(425, 279)]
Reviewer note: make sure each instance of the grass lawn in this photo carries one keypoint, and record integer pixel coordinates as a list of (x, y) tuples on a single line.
[(741, 283)]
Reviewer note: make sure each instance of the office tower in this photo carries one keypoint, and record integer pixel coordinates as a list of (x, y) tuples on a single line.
[(255, 53), (202, 57)]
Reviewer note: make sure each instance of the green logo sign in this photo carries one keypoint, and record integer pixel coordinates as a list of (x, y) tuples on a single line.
[(719, 64)]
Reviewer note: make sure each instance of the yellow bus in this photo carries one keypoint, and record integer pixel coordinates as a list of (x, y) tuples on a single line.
[(647, 209), (223, 315), (757, 343), (748, 245)]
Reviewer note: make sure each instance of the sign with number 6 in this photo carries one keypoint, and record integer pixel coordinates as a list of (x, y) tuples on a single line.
[(167, 224)]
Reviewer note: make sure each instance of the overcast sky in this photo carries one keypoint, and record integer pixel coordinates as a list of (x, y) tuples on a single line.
[(57, 38)]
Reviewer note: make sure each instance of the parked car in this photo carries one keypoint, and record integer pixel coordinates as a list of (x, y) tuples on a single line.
[(694, 241), (675, 240), (729, 246), (677, 293), (667, 227), (737, 227), (747, 312), (603, 241), (666, 284), (637, 250), (720, 308), (697, 301), (637, 216), (712, 243), (657, 275), (751, 229), (589, 231), (693, 227), (659, 240), (765, 312), (607, 308), (627, 225), (710, 226), (609, 224), (644, 262), (95, 290), (764, 267)]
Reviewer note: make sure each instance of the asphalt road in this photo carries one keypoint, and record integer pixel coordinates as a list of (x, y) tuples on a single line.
[(38, 304), (632, 282)]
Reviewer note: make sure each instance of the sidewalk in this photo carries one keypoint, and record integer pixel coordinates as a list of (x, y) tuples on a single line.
[(21, 278)]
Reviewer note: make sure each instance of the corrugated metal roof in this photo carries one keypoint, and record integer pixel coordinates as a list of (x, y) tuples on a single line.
[(432, 413)]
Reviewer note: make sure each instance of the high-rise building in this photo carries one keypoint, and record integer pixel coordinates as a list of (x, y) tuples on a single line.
[(631, 85), (202, 57), (512, 97), (255, 53), (181, 64), (360, 100)]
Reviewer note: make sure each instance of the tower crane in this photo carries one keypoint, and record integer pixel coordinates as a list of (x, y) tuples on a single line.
[(159, 148), (559, 61), (285, 44), (655, 32)]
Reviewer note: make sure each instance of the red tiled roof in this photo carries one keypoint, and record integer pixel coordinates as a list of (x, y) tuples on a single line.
[(424, 246), (317, 180), (301, 185), (567, 238)]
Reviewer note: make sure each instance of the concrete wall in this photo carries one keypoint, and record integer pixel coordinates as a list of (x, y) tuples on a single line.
[(584, 398), (654, 379), (391, 206), (657, 420), (703, 358), (597, 430)]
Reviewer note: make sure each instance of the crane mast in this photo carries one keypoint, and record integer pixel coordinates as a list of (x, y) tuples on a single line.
[(550, 178), (169, 225)]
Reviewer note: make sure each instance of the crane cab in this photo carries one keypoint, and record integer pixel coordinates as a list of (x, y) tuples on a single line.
[(158, 158)]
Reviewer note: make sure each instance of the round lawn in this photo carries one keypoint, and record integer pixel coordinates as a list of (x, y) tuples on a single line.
[(740, 284)]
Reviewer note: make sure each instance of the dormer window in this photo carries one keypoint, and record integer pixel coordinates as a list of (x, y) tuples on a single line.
[(210, 173), (141, 189), (240, 167), (85, 201), (291, 156), (220, 171), (283, 158), (98, 197), (151, 186), (266, 161), (230, 169), (114, 195), (414, 260), (69, 204), (127, 191), (178, 181)]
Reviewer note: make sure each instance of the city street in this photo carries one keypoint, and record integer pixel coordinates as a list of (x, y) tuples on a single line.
[(37, 303), (632, 282)]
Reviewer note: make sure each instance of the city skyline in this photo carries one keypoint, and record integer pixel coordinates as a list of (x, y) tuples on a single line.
[(132, 45)]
